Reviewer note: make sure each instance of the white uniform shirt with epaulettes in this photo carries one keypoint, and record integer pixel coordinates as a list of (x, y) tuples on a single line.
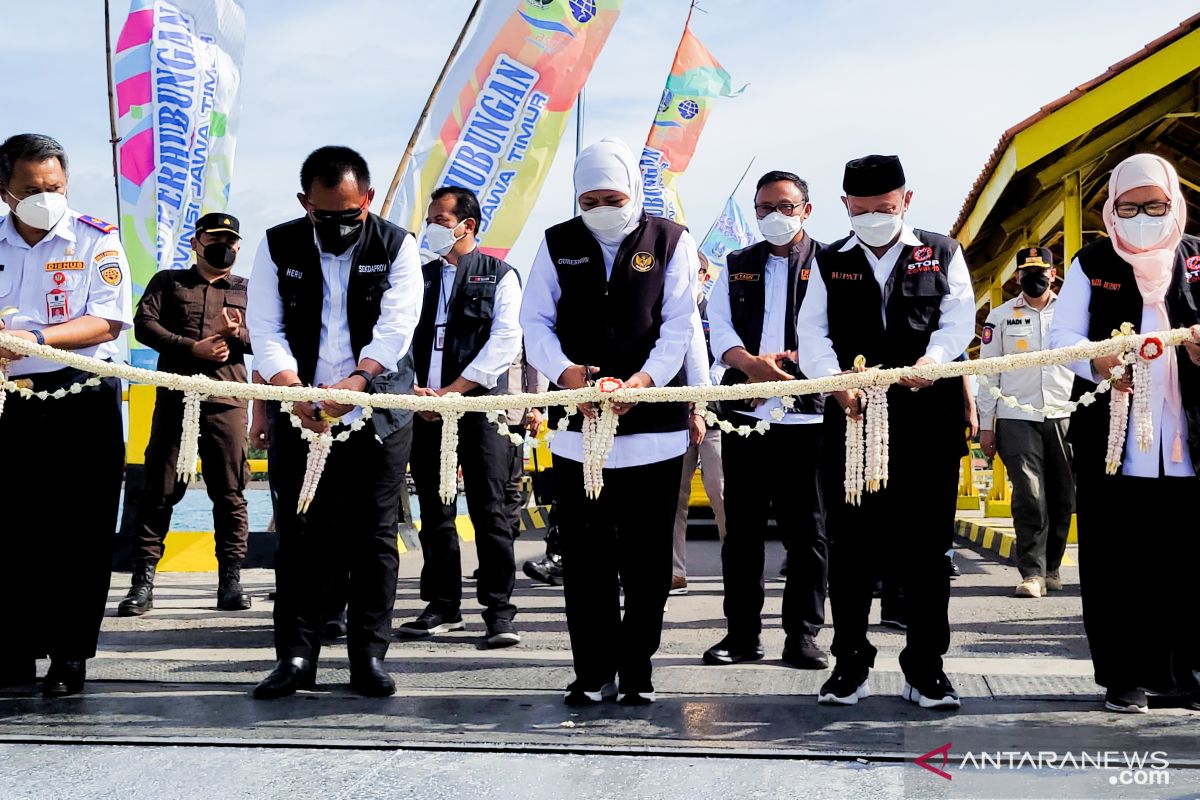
[(78, 269), (1017, 327)]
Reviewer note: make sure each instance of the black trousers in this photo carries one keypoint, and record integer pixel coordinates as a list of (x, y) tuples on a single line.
[(627, 532), (491, 464), (901, 532), (1144, 634), (61, 473), (1039, 463), (774, 474), (226, 471), (350, 530)]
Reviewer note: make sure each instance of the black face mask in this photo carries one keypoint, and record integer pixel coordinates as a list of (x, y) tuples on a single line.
[(219, 255), (337, 231), (1034, 282)]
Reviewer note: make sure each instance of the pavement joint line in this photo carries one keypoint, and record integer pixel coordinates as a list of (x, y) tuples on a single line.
[(524, 748)]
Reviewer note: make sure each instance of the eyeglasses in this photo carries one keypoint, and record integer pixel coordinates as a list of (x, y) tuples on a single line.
[(787, 209), (1156, 208)]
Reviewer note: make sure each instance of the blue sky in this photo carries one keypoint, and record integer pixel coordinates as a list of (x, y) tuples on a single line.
[(934, 81)]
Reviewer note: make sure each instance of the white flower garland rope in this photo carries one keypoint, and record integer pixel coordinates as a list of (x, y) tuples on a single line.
[(189, 442), (598, 433), (319, 445)]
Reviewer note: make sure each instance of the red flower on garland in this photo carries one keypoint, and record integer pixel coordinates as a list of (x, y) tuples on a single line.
[(607, 385), (1151, 349)]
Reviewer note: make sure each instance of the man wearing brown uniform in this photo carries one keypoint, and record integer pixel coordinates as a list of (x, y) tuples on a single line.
[(195, 319)]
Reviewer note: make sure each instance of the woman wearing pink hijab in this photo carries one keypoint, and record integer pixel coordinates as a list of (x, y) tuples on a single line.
[(1137, 548)]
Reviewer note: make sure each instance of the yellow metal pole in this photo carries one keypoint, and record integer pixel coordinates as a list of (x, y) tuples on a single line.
[(1072, 219), (998, 502)]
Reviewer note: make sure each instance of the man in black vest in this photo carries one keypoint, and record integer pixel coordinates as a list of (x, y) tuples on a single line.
[(467, 338), (334, 298), (898, 297), (610, 295), (752, 314)]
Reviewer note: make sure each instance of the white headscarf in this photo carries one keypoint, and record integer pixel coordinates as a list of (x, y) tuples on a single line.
[(610, 165)]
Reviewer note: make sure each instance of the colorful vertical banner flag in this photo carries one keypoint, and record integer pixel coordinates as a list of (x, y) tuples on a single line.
[(177, 70), (730, 232), (496, 124), (696, 80)]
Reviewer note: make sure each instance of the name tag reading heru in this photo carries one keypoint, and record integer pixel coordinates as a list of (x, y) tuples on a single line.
[(481, 279), (369, 268)]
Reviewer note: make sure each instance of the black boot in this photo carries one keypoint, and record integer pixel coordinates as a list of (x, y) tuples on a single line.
[(140, 598), (230, 596)]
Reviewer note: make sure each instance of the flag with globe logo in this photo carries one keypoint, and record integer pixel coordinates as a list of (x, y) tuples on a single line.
[(730, 232), (696, 81)]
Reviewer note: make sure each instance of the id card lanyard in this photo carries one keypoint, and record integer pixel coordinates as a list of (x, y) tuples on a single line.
[(439, 329)]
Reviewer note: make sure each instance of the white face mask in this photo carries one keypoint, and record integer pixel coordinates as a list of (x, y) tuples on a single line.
[(779, 229), (608, 221), (1143, 232), (441, 239), (41, 211), (876, 229)]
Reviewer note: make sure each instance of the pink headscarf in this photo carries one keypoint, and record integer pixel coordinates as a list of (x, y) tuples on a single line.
[(1152, 269)]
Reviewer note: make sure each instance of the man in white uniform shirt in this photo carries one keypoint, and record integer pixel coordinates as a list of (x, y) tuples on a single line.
[(1033, 445), (67, 276), (333, 301)]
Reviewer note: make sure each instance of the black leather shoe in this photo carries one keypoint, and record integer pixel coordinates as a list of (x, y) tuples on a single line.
[(804, 653), (140, 597), (17, 672), (230, 595), (369, 678), (731, 651), (64, 677), (288, 676)]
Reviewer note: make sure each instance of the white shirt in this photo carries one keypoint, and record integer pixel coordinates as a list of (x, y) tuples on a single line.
[(539, 314), (725, 338), (504, 342), (1071, 322), (76, 270), (391, 337), (1017, 327), (955, 331)]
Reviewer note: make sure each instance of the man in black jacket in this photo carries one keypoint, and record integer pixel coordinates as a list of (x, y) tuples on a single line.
[(752, 317), (334, 299), (468, 335)]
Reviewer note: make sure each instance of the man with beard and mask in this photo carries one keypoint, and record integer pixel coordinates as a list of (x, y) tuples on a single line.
[(466, 340), (752, 313), (610, 294), (195, 319), (898, 297), (334, 300), (1033, 445), (67, 277)]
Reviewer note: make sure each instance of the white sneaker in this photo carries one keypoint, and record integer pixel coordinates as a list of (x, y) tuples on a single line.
[(579, 697), (1030, 587), (1053, 581), (844, 689), (637, 698), (939, 694)]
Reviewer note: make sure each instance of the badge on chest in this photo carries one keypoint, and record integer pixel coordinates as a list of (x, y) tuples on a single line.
[(57, 308)]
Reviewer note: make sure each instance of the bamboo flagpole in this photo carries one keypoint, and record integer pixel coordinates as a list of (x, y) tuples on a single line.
[(402, 167), (113, 139)]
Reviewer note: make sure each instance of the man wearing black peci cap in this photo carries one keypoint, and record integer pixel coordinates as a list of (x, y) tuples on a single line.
[(899, 297), (1033, 445), (195, 319)]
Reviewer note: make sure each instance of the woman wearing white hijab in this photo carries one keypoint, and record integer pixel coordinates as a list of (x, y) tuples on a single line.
[(610, 295), (1138, 599)]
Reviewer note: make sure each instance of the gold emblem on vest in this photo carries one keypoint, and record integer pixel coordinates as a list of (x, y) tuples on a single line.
[(643, 261)]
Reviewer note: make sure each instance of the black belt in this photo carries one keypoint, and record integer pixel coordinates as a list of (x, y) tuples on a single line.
[(51, 381)]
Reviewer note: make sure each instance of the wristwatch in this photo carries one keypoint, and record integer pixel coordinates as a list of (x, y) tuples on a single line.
[(38, 336), (362, 373)]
